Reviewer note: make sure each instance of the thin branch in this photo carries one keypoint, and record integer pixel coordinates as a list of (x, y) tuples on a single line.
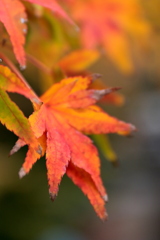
[(38, 64)]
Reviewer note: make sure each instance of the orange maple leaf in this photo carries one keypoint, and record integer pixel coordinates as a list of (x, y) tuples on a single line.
[(68, 110), (76, 62), (14, 18), (109, 23)]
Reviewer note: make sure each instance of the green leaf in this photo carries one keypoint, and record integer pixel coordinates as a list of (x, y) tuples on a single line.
[(14, 120)]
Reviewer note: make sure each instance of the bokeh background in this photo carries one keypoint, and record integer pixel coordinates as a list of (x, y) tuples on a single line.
[(26, 212)]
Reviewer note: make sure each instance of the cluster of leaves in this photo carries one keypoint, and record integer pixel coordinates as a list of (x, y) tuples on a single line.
[(66, 112), (110, 24)]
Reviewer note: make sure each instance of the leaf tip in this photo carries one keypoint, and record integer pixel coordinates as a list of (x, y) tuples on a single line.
[(52, 196), (128, 133), (22, 173), (22, 67), (105, 198), (20, 143), (39, 150), (105, 217), (96, 76), (133, 128), (115, 89), (23, 20)]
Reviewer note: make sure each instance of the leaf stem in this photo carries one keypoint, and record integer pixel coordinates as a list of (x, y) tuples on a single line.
[(38, 64)]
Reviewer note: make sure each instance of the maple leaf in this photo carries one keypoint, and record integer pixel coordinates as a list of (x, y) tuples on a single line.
[(14, 18), (12, 117), (10, 82), (77, 61), (68, 110), (109, 23), (53, 6)]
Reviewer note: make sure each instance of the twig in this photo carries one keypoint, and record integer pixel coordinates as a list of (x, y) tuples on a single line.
[(38, 64)]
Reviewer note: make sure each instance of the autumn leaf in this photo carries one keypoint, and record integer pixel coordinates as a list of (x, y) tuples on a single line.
[(13, 118), (14, 18), (83, 180), (111, 24), (53, 6), (12, 83), (44, 52), (68, 110), (78, 61)]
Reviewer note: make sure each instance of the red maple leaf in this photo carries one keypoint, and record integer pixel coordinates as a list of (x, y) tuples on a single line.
[(14, 18), (67, 112)]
